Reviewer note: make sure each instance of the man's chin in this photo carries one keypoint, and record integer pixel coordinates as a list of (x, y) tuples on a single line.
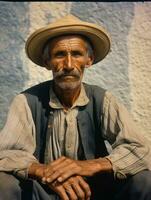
[(70, 85)]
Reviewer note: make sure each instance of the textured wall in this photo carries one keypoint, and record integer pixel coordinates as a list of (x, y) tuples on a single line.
[(126, 71)]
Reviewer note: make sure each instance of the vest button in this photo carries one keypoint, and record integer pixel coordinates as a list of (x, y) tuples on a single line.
[(49, 125)]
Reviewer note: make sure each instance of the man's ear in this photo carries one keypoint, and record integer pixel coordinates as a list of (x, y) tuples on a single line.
[(89, 61)]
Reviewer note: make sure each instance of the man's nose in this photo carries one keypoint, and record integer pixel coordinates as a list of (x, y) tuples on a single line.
[(69, 62)]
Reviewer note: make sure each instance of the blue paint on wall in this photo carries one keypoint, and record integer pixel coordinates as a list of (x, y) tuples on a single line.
[(14, 25)]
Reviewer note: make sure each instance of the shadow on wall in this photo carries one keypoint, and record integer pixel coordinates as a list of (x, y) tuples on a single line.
[(112, 72), (14, 25)]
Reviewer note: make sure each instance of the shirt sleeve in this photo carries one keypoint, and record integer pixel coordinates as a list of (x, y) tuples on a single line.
[(17, 138), (129, 152)]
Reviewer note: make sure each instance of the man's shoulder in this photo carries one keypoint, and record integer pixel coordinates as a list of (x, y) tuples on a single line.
[(37, 96), (93, 89), (38, 88)]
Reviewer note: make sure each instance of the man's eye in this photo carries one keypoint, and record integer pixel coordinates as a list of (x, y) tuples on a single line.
[(76, 53), (59, 54)]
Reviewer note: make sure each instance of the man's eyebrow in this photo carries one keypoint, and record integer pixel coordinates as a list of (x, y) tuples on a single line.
[(59, 51)]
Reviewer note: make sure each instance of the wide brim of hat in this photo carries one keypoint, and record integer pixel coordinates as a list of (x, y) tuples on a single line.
[(96, 35)]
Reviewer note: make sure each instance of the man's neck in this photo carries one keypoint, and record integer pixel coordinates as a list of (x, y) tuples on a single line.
[(67, 97)]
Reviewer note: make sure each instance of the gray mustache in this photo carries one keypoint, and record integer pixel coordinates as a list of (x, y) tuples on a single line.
[(64, 73)]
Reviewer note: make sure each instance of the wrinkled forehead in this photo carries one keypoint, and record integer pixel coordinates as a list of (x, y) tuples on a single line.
[(66, 38)]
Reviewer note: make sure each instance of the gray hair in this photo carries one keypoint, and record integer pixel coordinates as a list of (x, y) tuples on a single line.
[(46, 49)]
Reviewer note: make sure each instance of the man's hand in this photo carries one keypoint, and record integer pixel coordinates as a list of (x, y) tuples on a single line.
[(63, 168), (73, 188), (36, 170)]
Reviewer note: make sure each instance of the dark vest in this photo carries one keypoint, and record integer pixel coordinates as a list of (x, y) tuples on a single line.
[(88, 120)]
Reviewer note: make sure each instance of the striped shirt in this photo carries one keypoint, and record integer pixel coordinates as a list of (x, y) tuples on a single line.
[(129, 152)]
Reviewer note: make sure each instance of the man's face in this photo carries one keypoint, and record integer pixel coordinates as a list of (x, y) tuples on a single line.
[(68, 59)]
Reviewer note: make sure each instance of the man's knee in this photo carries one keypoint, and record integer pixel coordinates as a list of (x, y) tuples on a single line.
[(141, 184), (9, 187), (137, 187)]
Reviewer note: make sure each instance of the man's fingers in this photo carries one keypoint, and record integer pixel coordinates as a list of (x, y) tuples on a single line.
[(68, 171), (63, 194), (53, 167), (65, 170), (79, 191), (69, 190), (84, 185), (59, 189), (52, 176), (80, 187), (74, 188), (56, 168)]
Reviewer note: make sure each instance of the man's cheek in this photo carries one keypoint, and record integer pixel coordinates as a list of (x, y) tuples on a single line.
[(57, 67), (81, 68), (79, 65)]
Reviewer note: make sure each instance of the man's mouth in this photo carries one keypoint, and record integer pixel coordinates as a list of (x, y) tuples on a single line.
[(67, 77)]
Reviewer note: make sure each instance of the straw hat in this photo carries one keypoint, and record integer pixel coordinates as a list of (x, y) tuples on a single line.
[(69, 24)]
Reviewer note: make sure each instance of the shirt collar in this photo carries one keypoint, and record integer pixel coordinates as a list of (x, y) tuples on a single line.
[(82, 100)]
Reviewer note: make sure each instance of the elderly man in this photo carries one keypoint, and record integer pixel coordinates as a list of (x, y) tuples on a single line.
[(53, 143)]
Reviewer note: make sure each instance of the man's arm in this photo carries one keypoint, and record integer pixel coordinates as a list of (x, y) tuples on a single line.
[(130, 151), (17, 138)]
